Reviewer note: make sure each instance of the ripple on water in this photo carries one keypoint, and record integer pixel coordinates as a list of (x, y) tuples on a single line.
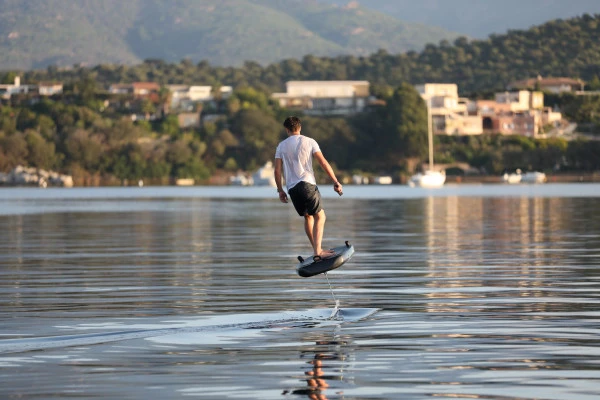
[(488, 296)]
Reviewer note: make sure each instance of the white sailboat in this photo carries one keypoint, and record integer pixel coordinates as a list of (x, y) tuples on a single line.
[(513, 177), (429, 178)]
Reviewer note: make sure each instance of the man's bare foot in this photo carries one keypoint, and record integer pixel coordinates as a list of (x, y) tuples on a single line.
[(326, 253)]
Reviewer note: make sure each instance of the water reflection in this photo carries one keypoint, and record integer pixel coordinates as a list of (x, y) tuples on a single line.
[(327, 368), (468, 242), (480, 297)]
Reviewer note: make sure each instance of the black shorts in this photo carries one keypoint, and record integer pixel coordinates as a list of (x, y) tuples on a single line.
[(306, 198)]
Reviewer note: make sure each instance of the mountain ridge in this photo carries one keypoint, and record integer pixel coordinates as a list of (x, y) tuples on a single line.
[(223, 32)]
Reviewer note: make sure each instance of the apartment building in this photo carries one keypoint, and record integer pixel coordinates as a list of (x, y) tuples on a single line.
[(184, 97), (449, 112), (519, 112), (325, 97)]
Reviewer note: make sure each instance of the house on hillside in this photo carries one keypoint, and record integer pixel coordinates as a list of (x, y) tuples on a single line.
[(325, 97), (137, 89), (120, 88), (6, 91), (187, 120), (49, 88), (185, 97), (553, 85), (525, 124), (41, 89), (511, 113), (449, 112), (145, 89), (522, 100), (515, 113)]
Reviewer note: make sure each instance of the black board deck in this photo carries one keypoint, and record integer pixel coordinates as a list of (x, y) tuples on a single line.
[(310, 267)]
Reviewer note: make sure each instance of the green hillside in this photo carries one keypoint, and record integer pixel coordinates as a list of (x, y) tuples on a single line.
[(558, 48), (36, 34)]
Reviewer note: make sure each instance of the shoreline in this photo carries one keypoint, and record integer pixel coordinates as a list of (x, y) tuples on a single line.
[(453, 180)]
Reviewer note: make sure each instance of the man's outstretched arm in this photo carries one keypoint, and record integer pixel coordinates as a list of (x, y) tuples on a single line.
[(329, 171), (278, 176)]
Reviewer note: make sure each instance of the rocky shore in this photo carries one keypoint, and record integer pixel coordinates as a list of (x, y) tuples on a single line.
[(24, 176)]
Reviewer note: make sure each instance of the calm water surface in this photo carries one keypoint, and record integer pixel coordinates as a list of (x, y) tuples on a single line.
[(162, 293)]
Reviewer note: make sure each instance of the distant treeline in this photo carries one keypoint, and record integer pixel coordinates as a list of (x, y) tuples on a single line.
[(79, 134)]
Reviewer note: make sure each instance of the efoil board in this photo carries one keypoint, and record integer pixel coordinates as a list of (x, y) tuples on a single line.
[(312, 266)]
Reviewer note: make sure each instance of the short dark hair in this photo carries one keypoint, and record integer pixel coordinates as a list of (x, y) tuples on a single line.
[(292, 124)]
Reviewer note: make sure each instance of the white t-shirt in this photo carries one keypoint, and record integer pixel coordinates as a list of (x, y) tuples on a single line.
[(296, 152)]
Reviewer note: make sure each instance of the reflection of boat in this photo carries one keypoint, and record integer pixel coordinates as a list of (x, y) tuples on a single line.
[(513, 177), (265, 176), (533, 177), (429, 178)]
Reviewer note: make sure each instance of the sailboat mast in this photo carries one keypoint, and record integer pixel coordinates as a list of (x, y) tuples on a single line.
[(430, 133)]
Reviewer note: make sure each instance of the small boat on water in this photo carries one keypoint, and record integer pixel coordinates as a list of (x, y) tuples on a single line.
[(429, 178), (382, 180), (513, 177), (528, 177), (533, 177)]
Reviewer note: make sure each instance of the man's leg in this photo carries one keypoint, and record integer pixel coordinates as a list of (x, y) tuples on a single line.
[(309, 223), (317, 233)]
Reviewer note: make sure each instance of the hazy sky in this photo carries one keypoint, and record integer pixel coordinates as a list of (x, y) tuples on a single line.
[(480, 18)]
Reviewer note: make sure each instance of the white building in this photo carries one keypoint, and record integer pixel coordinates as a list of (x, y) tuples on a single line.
[(50, 88), (185, 96), (449, 112), (325, 97), (6, 91)]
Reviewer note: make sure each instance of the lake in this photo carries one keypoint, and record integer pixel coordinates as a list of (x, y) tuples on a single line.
[(462, 292)]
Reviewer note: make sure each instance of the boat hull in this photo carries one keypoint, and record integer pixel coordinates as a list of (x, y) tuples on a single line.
[(429, 179)]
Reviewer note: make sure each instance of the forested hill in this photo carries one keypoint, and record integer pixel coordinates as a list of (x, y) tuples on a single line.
[(558, 48), (36, 34)]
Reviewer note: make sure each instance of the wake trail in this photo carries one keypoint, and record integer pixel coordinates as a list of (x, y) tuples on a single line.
[(259, 322)]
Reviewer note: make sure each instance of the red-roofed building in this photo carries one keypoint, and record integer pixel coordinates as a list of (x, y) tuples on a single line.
[(144, 88)]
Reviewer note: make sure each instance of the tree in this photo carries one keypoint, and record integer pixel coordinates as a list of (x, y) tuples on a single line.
[(399, 129), (164, 100), (259, 133), (594, 84), (8, 78), (40, 153), (85, 89), (147, 108), (26, 119), (15, 151), (169, 126), (83, 148), (129, 162)]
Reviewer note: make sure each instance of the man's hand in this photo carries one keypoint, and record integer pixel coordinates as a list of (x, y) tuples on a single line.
[(338, 188), (282, 196)]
